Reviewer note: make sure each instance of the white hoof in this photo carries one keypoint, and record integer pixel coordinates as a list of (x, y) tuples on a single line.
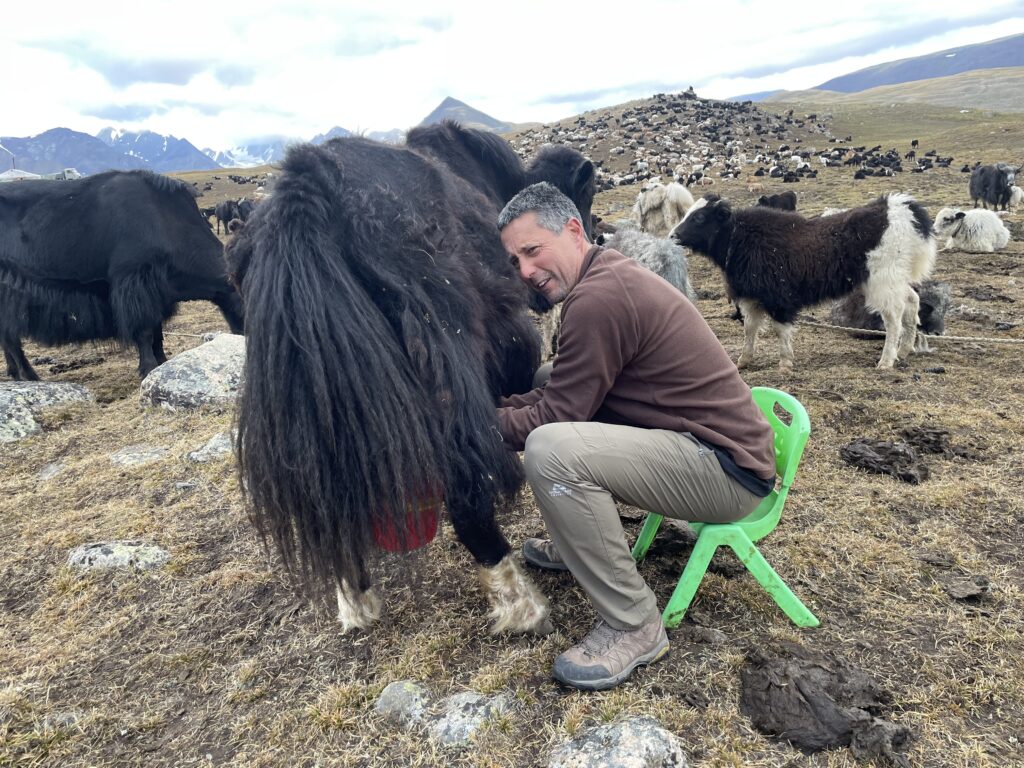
[(360, 611), (516, 604)]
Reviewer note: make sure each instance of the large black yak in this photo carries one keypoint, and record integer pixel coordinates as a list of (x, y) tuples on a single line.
[(383, 321), (104, 257)]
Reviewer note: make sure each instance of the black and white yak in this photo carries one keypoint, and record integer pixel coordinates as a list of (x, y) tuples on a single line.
[(384, 321), (777, 263), (104, 257)]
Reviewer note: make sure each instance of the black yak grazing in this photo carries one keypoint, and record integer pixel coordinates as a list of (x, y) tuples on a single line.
[(383, 321), (104, 257)]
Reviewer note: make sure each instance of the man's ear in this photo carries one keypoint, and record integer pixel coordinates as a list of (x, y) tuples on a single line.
[(575, 227)]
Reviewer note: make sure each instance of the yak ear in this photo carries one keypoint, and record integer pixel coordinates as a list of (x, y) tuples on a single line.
[(722, 209), (959, 215), (712, 197), (583, 177)]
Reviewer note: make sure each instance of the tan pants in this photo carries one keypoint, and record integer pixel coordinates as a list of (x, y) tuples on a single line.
[(579, 469)]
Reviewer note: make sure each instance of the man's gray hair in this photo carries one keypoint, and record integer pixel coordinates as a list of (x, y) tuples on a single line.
[(553, 209)]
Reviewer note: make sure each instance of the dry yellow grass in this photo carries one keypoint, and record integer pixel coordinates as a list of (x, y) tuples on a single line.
[(214, 660)]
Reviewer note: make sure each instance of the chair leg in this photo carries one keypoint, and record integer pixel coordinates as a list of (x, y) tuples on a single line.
[(647, 533), (770, 580), (693, 574)]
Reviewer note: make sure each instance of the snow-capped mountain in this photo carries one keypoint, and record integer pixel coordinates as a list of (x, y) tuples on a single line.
[(269, 150), (162, 153), (60, 148), (335, 133)]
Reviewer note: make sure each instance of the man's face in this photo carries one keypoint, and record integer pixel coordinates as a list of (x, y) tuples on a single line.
[(549, 263)]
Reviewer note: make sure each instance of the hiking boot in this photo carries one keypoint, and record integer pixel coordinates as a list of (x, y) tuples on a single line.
[(607, 656), (542, 553)]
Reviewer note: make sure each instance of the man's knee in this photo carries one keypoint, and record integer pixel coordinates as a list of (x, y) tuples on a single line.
[(547, 450), (542, 374)]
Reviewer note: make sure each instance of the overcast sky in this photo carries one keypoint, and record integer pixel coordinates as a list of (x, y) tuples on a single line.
[(223, 73)]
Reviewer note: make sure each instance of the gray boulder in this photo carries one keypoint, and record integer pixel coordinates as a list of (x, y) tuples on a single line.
[(464, 714), (208, 375), (639, 742), (117, 554), (403, 702), (22, 401)]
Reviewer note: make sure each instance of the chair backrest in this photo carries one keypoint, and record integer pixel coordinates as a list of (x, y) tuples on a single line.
[(790, 440)]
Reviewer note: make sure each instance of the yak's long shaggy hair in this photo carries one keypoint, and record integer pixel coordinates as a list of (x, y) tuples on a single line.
[(383, 321)]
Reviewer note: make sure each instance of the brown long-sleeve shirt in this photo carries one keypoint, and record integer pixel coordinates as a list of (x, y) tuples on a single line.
[(633, 350)]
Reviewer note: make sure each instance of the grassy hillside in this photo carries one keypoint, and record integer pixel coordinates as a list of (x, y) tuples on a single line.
[(969, 137), (998, 90)]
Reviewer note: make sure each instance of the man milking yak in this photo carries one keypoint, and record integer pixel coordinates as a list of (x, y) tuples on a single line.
[(383, 323)]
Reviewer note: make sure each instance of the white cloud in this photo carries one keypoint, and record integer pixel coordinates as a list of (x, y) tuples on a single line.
[(220, 73)]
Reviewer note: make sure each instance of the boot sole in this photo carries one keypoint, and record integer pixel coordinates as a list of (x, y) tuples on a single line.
[(544, 565), (605, 683)]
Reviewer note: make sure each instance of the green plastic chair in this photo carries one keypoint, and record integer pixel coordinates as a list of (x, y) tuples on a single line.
[(740, 536)]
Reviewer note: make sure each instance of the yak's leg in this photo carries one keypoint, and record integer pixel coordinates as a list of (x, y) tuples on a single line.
[(893, 320), (147, 360), (158, 344), (516, 604), (887, 296), (357, 609), (12, 364), (753, 318), (18, 366), (785, 332), (909, 334)]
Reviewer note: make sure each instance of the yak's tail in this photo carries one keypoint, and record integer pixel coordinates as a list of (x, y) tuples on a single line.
[(362, 393)]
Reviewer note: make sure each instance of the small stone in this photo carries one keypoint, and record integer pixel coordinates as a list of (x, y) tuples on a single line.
[(639, 742), (137, 455), (939, 559), (117, 554), (463, 715), (50, 471), (697, 634), (61, 720), (403, 702), (967, 588), (217, 447), (936, 369)]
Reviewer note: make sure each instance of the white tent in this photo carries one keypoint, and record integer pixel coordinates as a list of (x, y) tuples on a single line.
[(15, 175)]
